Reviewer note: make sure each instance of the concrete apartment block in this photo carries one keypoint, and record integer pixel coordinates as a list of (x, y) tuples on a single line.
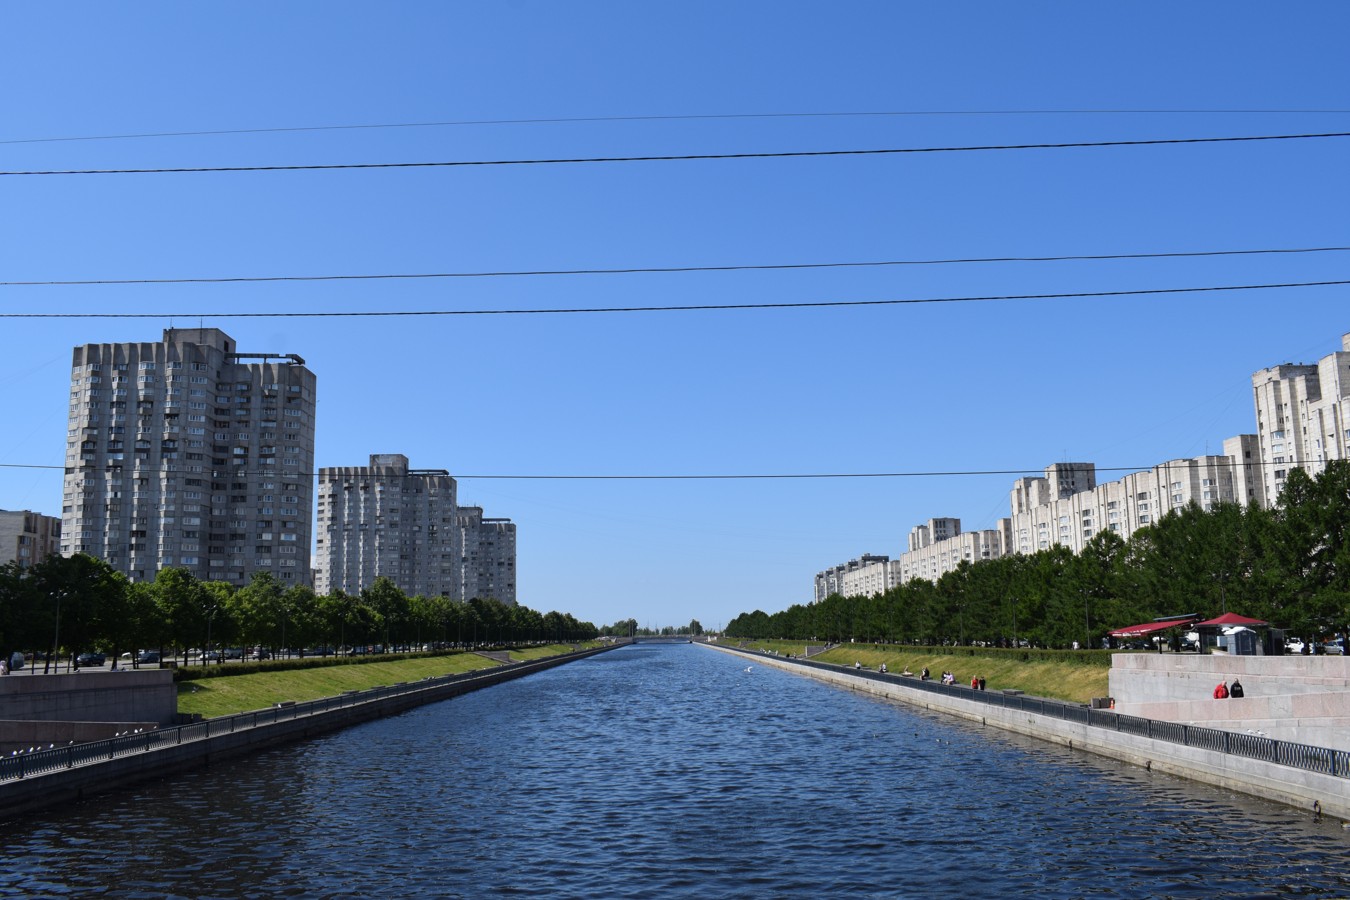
[(389, 520), (1066, 507), (1302, 416), (835, 580), (27, 537), (1302, 420), (188, 453), (933, 560), (489, 568), (921, 536)]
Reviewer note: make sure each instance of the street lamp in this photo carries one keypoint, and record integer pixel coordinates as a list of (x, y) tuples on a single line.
[(56, 636), (210, 619)]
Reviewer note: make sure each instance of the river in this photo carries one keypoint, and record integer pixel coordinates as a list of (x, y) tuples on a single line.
[(672, 771)]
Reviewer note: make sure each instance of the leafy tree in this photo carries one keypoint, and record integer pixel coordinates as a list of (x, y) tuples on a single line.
[(184, 607), (390, 606), (78, 587)]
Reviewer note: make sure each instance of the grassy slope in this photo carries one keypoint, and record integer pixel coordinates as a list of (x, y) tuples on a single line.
[(1071, 681), (211, 697)]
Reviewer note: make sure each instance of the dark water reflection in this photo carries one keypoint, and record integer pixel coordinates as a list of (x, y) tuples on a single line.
[(665, 771)]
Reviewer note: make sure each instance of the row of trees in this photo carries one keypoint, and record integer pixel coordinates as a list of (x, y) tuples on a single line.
[(81, 603), (1288, 565), (630, 628)]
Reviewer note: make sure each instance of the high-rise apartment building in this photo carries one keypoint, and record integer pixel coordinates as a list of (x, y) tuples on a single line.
[(1302, 416), (857, 577), (188, 453), (28, 538), (388, 520), (489, 556), (1067, 508), (1302, 421)]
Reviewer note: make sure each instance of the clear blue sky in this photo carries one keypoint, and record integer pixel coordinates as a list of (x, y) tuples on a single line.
[(975, 386)]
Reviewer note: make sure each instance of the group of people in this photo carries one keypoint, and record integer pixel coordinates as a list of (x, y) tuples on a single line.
[(976, 682), (1224, 691)]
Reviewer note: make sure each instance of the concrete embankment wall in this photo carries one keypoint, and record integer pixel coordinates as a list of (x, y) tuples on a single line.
[(1283, 784), (66, 785), (1302, 699), (124, 695)]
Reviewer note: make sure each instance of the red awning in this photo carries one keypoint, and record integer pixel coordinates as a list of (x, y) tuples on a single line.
[(1148, 628), (1229, 619)]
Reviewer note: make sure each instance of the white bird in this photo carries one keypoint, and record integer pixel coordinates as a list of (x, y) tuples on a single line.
[(748, 668)]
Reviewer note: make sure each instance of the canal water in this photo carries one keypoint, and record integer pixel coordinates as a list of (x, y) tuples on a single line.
[(672, 771)]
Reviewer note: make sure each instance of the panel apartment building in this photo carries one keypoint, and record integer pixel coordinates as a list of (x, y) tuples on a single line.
[(489, 556), (1065, 507), (27, 538), (1302, 421), (389, 520), (188, 453), (1302, 416)]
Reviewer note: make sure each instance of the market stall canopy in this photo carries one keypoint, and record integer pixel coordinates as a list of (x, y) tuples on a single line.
[(1227, 620), (1152, 627)]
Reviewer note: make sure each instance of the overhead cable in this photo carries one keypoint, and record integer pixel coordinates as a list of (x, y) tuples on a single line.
[(1036, 471), (756, 267), (821, 304), (682, 157)]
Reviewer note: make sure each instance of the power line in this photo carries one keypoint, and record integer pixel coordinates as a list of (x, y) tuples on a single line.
[(821, 304), (673, 269), (741, 476), (682, 157), (915, 113)]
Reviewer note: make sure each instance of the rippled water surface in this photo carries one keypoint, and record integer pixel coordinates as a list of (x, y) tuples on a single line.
[(672, 771)]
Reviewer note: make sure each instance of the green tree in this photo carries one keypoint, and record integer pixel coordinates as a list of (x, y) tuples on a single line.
[(387, 600), (76, 589), (184, 607), (1311, 549)]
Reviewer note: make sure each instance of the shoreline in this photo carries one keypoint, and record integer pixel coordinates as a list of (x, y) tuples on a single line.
[(1320, 793), (68, 774)]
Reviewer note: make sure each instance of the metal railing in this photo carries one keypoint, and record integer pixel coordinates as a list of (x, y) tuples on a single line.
[(1251, 746), (40, 762)]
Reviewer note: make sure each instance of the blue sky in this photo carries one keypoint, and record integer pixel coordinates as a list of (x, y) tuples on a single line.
[(949, 387)]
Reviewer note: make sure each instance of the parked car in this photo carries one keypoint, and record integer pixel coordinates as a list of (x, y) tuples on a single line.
[(1334, 647), (90, 659), (16, 661), (234, 652), (148, 656), (211, 656), (1293, 645)]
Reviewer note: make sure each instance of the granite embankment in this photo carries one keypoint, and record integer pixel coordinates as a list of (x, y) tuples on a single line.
[(1317, 780), (65, 774)]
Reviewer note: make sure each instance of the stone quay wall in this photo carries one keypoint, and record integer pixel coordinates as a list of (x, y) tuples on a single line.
[(125, 695), (1303, 699), (65, 775), (1292, 786)]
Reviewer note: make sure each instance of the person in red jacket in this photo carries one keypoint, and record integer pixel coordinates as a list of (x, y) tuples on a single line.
[(1221, 692)]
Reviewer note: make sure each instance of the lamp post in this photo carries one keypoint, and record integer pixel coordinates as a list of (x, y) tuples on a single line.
[(210, 619), (56, 635)]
